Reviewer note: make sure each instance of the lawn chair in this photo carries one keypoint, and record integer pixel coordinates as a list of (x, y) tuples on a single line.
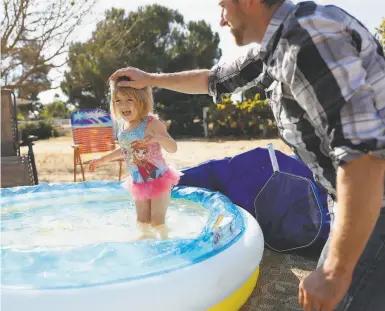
[(16, 169), (93, 136)]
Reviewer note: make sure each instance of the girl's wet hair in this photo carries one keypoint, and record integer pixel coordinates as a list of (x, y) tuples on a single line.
[(142, 97)]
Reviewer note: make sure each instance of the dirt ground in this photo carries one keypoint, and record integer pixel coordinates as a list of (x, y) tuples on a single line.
[(54, 157)]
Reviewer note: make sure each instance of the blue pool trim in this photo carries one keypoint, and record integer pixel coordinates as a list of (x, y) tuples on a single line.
[(215, 202)]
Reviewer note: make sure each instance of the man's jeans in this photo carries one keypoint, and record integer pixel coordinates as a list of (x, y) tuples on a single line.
[(367, 291)]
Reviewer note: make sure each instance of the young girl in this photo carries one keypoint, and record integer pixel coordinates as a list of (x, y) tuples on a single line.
[(141, 136)]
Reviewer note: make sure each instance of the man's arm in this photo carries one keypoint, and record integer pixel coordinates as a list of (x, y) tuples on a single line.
[(330, 83), (360, 191), (188, 82), (223, 79), (241, 74)]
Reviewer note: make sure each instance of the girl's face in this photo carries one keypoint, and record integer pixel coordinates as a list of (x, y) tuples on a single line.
[(140, 154), (127, 108)]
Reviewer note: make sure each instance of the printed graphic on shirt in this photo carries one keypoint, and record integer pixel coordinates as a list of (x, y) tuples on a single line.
[(140, 152)]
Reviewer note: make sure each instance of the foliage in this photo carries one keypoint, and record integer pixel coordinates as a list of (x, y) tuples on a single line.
[(249, 117), (41, 129), (20, 116), (57, 109), (153, 38), (33, 105), (196, 48)]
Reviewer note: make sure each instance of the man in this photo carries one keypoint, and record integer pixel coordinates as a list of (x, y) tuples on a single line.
[(324, 74)]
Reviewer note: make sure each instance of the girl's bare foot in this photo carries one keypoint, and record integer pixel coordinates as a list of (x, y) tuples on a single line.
[(144, 231), (162, 230)]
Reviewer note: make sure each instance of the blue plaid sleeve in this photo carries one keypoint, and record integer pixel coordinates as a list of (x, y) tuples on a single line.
[(236, 76)]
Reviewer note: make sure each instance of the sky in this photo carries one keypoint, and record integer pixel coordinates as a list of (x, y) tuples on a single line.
[(370, 14)]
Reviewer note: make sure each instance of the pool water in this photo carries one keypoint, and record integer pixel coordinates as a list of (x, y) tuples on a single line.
[(86, 237), (88, 218)]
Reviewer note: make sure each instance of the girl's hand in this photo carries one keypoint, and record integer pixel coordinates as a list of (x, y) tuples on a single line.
[(95, 163)]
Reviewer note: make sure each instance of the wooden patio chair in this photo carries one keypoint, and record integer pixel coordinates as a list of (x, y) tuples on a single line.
[(93, 136), (16, 169)]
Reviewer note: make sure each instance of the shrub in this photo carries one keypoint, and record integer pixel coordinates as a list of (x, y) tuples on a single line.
[(41, 129), (251, 117), (57, 109), (20, 116)]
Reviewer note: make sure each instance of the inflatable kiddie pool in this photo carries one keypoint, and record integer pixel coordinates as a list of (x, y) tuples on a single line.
[(72, 247)]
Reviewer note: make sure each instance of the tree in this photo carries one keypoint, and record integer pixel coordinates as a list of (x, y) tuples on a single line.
[(56, 109), (153, 38), (140, 39), (196, 47), (34, 39), (32, 107)]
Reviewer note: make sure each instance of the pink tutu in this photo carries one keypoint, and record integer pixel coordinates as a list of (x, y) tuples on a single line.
[(154, 188)]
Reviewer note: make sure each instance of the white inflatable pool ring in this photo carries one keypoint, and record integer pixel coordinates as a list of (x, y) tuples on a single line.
[(222, 282)]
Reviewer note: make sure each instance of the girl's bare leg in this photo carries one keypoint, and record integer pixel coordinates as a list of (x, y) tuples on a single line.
[(159, 207), (143, 218)]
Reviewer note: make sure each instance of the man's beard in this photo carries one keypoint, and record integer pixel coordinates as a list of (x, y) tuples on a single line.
[(238, 34)]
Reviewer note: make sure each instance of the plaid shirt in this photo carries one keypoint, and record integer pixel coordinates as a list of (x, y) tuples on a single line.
[(324, 75)]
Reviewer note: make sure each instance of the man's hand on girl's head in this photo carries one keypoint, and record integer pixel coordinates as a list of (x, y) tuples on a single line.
[(135, 78)]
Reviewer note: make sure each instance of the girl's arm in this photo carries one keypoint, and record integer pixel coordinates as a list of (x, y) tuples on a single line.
[(161, 136), (113, 155)]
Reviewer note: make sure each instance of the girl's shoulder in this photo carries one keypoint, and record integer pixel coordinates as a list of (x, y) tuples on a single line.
[(152, 117), (155, 123)]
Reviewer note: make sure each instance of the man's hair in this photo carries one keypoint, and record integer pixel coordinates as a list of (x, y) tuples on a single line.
[(270, 3)]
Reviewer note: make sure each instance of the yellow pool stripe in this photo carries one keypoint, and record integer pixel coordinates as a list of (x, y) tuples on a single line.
[(239, 297)]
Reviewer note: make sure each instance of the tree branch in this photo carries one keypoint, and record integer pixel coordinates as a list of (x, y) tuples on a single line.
[(35, 34), (23, 6)]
